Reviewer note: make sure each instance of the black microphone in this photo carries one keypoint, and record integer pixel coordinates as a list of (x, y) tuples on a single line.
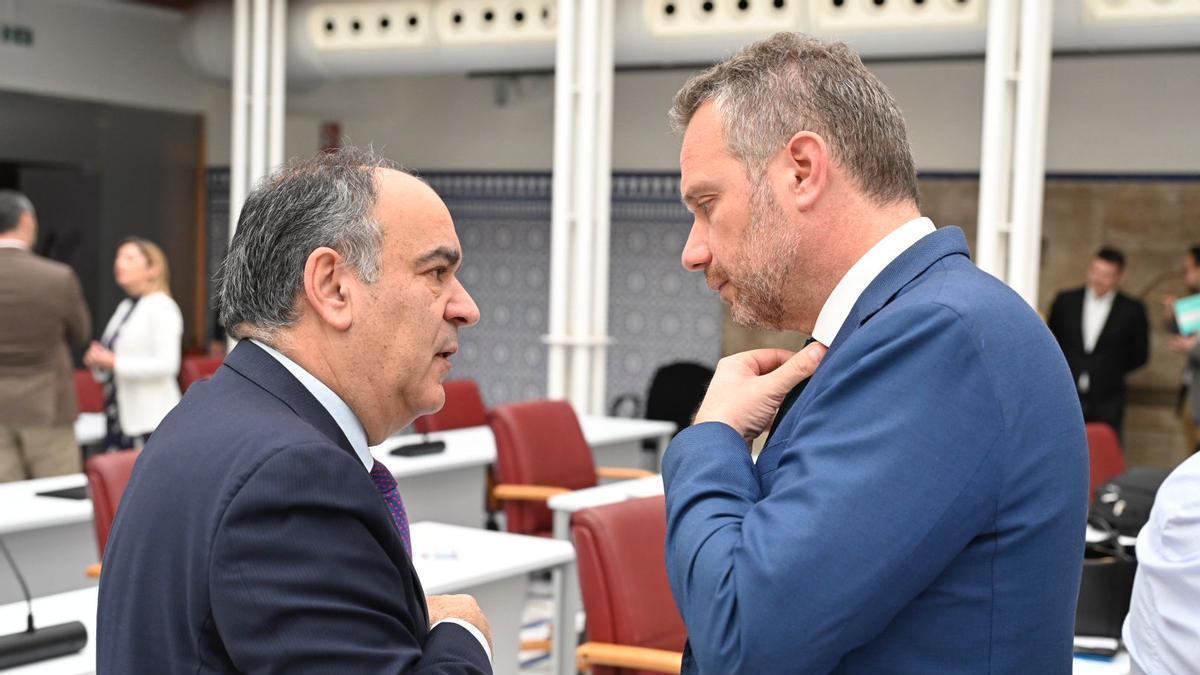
[(37, 644), (422, 447)]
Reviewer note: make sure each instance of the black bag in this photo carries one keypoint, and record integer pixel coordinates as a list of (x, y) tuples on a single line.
[(1106, 587), (1125, 501)]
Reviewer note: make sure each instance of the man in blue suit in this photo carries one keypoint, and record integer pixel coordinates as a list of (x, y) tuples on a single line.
[(920, 505), (257, 534)]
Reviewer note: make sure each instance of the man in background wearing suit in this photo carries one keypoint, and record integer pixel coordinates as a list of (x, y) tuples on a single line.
[(1105, 336), (919, 504), (257, 534), (43, 317)]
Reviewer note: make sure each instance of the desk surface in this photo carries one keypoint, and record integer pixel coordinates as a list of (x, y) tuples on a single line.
[(477, 446), (450, 558), (609, 493), (21, 508)]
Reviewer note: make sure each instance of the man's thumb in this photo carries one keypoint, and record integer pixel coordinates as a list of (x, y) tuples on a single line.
[(800, 366)]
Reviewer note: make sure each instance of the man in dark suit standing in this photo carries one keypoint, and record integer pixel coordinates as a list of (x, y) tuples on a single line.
[(43, 317), (257, 534), (1105, 336)]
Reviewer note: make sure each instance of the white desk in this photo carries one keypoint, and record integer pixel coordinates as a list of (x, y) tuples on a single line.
[(51, 538), (492, 566), (617, 441), (447, 486), (568, 503)]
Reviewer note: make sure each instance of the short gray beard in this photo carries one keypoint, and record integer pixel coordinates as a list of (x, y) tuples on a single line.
[(764, 263)]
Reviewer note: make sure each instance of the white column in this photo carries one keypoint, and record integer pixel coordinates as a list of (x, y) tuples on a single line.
[(259, 52), (240, 112), (1029, 150), (580, 209), (259, 92), (278, 94), (603, 205), (995, 157), (562, 208), (1013, 147)]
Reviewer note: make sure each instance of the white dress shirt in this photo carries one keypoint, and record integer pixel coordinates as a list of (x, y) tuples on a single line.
[(1096, 309), (1162, 631), (860, 275), (348, 422), (14, 243)]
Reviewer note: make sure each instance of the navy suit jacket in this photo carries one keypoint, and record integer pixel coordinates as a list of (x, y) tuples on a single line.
[(920, 509), (251, 539)]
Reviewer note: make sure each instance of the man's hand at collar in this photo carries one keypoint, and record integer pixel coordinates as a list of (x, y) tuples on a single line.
[(748, 388)]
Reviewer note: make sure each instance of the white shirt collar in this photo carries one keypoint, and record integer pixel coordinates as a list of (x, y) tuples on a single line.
[(14, 243), (337, 408), (860, 275), (1091, 296)]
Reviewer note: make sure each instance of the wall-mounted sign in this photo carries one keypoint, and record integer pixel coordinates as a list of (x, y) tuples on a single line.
[(11, 34)]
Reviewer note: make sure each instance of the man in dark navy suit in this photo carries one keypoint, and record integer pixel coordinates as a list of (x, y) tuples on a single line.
[(920, 505), (1105, 336), (257, 534)]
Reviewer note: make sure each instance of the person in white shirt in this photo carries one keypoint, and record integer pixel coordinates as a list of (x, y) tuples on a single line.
[(137, 358), (1162, 631), (1104, 335)]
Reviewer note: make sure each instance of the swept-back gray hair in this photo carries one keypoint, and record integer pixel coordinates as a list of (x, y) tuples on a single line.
[(13, 205), (323, 201), (791, 82)]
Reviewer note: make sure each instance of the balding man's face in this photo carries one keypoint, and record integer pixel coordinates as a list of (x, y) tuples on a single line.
[(407, 330)]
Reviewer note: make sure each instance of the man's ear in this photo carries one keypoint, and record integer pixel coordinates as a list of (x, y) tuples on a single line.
[(327, 287), (808, 163)]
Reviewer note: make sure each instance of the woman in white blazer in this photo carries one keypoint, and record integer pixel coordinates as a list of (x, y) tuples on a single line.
[(137, 358)]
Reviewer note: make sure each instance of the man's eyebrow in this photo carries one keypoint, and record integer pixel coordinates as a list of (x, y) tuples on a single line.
[(445, 254), (692, 194)]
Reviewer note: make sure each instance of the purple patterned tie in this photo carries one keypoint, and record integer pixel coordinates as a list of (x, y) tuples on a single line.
[(386, 485)]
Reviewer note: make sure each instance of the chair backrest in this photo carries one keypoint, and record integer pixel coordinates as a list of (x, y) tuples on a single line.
[(88, 392), (623, 576), (676, 392), (539, 443), (464, 408), (196, 368), (1104, 450), (107, 475)]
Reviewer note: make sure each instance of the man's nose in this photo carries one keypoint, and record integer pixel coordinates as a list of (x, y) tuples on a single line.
[(696, 256)]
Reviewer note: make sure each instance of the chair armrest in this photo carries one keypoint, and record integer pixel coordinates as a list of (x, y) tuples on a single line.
[(526, 493), (92, 571), (621, 473), (591, 654)]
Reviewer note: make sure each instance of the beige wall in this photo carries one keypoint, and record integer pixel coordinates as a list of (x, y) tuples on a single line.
[(1125, 114)]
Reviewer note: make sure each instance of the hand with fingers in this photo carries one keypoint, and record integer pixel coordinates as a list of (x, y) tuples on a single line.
[(748, 388)]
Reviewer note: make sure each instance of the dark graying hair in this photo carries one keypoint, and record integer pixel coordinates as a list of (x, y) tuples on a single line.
[(323, 201), (789, 83), (13, 205)]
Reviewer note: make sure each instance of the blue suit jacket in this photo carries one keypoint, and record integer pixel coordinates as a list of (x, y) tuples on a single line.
[(920, 508), (250, 539)]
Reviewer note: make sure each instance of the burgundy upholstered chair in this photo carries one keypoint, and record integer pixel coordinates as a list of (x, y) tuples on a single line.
[(632, 621)]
